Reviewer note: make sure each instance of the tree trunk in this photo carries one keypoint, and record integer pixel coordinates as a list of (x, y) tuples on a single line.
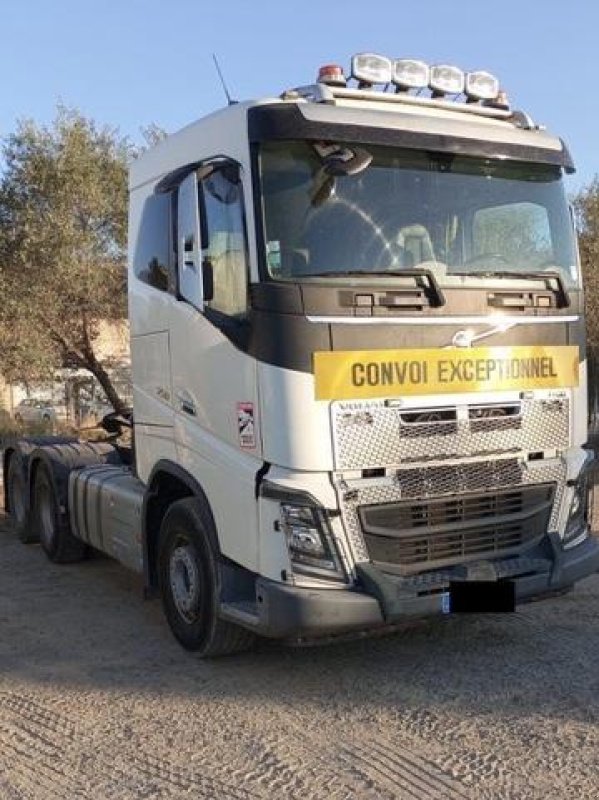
[(98, 371), (103, 378), (83, 355), (106, 383)]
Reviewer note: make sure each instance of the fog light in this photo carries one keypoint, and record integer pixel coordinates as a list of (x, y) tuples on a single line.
[(481, 85), (369, 68), (446, 79), (410, 74)]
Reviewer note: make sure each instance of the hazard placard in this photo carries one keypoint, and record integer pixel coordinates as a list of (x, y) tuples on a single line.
[(359, 374)]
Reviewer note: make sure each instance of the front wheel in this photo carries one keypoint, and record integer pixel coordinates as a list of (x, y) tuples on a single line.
[(189, 576)]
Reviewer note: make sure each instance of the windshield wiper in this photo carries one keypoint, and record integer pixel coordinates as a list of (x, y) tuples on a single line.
[(553, 281), (432, 289)]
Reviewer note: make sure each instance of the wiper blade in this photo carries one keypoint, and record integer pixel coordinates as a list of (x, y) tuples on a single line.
[(549, 276), (436, 297)]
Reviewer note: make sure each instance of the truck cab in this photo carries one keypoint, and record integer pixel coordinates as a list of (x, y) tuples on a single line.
[(358, 357)]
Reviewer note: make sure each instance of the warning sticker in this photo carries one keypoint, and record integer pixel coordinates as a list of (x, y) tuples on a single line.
[(350, 375), (246, 425)]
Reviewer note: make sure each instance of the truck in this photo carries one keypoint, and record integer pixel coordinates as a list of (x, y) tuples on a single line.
[(359, 369)]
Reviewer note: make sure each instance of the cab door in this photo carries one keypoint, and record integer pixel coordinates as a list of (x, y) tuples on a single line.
[(214, 381)]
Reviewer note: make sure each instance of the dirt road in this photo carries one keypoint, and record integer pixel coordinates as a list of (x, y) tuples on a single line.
[(97, 701)]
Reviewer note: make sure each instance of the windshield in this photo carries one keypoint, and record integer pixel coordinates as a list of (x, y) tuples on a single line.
[(402, 209)]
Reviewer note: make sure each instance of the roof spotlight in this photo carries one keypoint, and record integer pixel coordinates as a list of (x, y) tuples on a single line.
[(481, 85), (410, 74), (369, 68), (446, 79)]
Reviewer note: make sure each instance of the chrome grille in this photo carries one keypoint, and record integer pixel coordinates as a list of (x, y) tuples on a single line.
[(376, 434)]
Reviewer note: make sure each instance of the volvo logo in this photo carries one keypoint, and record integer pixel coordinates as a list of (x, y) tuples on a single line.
[(466, 338), (462, 339)]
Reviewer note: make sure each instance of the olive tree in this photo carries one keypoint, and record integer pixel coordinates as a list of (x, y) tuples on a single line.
[(63, 212), (586, 205)]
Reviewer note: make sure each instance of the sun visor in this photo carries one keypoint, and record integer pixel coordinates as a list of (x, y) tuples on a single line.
[(311, 121)]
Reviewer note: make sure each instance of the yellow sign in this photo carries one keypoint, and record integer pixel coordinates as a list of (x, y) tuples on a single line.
[(361, 374)]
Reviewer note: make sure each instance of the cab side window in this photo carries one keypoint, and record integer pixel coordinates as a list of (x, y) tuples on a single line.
[(224, 248), (152, 258)]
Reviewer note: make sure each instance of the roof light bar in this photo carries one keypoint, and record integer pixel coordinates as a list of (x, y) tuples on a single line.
[(481, 88), (446, 79), (370, 68), (481, 85), (408, 73)]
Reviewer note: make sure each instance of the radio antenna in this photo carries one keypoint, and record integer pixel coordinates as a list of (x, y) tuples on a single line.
[(222, 80)]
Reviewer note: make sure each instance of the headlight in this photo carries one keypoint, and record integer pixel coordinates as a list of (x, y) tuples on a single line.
[(577, 519), (446, 79), (309, 540)]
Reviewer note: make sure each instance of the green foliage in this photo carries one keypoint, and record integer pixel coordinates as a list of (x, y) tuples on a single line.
[(586, 206), (63, 228)]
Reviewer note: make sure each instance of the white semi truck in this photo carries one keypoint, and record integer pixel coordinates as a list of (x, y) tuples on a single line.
[(359, 368)]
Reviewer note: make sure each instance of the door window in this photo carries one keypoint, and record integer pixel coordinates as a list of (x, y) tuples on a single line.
[(224, 240)]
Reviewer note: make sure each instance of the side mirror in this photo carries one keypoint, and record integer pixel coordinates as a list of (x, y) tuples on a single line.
[(208, 280)]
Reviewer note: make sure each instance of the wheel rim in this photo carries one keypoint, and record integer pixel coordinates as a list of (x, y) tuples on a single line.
[(17, 501), (46, 515), (184, 578)]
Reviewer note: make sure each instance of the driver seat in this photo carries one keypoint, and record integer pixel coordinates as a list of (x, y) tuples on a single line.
[(416, 245)]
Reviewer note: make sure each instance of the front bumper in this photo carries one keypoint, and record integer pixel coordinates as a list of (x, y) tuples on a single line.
[(286, 611)]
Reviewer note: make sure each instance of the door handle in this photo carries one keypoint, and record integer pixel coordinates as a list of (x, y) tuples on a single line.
[(188, 247), (187, 404)]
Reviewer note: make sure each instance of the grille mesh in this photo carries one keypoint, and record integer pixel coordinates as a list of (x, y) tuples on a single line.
[(372, 434)]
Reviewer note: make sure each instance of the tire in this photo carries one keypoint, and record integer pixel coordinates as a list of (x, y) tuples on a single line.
[(51, 525), (18, 500), (189, 576)]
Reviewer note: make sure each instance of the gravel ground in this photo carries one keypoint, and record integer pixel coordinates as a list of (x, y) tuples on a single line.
[(98, 701)]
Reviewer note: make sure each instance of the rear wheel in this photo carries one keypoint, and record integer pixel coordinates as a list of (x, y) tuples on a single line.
[(190, 585), (51, 524), (17, 500)]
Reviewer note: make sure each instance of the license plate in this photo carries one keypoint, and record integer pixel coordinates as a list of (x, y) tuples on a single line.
[(481, 596)]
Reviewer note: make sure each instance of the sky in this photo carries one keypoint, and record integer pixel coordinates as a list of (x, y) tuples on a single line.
[(129, 63)]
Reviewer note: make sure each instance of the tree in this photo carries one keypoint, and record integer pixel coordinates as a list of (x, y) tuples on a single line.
[(63, 222), (586, 205)]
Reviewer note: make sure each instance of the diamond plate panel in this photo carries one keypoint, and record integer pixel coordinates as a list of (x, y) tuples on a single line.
[(376, 435)]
